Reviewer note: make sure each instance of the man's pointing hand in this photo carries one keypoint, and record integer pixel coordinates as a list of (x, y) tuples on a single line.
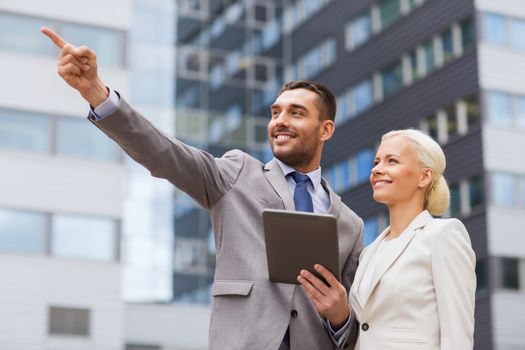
[(78, 67)]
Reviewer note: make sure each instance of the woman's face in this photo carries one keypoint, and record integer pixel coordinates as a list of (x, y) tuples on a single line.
[(397, 176)]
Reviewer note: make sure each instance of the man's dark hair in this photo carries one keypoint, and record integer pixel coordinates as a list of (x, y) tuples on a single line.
[(329, 103)]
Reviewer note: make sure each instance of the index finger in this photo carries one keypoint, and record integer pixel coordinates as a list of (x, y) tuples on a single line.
[(327, 275), (53, 36)]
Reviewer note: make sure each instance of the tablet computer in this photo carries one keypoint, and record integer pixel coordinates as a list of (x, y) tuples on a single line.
[(299, 240)]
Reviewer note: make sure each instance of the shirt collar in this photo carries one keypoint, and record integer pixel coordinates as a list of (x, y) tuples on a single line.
[(315, 176)]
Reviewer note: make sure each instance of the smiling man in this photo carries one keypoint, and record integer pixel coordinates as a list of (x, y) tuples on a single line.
[(248, 310)]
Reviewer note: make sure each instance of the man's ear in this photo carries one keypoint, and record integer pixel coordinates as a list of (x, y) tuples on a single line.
[(427, 175), (327, 129)]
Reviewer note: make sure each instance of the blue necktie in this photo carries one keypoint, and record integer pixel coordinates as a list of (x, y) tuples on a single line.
[(301, 196), (303, 202)]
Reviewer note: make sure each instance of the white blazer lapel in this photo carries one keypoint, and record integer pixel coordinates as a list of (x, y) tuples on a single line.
[(275, 177), (384, 262), (365, 258)]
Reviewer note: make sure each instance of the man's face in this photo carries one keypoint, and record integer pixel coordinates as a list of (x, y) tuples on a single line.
[(296, 131)]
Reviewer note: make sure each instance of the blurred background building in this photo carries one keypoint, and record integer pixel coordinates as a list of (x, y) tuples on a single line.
[(96, 254)]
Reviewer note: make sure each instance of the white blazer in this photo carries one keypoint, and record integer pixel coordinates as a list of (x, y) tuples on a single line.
[(422, 294)]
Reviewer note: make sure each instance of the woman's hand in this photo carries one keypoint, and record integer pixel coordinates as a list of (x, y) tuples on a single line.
[(330, 301)]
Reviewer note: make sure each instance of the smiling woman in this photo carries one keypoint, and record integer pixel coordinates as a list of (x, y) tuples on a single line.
[(418, 275)]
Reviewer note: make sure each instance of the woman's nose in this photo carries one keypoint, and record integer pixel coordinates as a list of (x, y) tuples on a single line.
[(376, 169)]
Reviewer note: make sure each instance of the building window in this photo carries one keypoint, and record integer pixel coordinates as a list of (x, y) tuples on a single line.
[(452, 123), (392, 78), (362, 96), (517, 34), (69, 321), (475, 192), (504, 31), (373, 226), (371, 230), (472, 110), (447, 45), (315, 60), (429, 57), (455, 202), (299, 12), (365, 162), (358, 31), (467, 33), (75, 137), (519, 111), (343, 108), (22, 34), (24, 131), (107, 43), (522, 192), (499, 108), (494, 29), (22, 232), (481, 276), (466, 196), (82, 237), (509, 273), (389, 10), (142, 347), (503, 189)]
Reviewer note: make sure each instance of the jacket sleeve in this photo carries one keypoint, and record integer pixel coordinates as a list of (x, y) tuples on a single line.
[(205, 178), (453, 271), (348, 339)]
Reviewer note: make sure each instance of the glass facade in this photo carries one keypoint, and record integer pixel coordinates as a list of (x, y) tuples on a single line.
[(229, 70)]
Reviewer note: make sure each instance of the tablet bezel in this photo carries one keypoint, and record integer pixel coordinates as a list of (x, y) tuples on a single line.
[(298, 240)]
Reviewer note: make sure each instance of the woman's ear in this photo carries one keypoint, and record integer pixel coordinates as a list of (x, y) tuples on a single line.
[(427, 175)]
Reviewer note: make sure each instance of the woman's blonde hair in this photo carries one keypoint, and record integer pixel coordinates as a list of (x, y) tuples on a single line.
[(430, 155)]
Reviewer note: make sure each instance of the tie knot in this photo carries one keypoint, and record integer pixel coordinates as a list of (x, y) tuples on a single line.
[(299, 178)]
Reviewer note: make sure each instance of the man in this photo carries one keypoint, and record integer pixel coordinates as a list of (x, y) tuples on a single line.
[(248, 311)]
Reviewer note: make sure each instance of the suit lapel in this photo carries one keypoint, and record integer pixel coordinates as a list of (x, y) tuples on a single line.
[(276, 178), (366, 257), (335, 200), (384, 262)]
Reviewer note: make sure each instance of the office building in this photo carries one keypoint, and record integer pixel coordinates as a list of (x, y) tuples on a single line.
[(451, 68)]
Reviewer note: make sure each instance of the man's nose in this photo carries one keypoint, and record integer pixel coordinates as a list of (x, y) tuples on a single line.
[(282, 118)]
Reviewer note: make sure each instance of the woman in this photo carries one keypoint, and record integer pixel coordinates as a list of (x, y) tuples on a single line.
[(415, 284)]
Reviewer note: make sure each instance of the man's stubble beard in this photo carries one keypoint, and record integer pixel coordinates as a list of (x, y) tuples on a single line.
[(299, 157)]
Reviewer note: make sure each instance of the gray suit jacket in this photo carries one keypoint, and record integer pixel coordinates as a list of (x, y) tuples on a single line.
[(248, 311)]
